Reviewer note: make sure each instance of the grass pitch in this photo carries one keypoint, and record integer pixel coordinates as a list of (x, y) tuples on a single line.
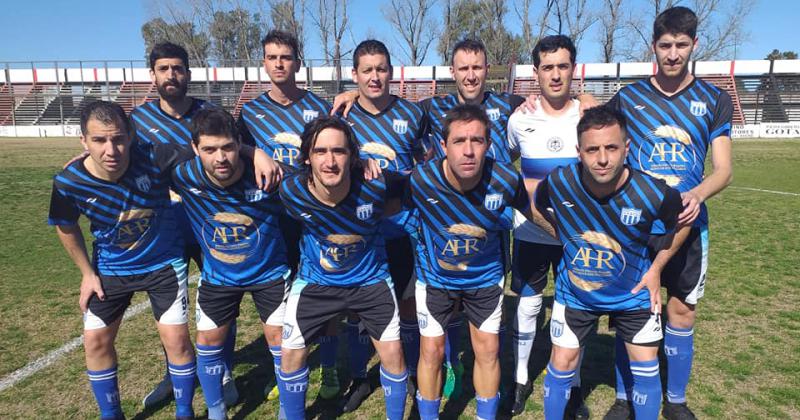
[(747, 341)]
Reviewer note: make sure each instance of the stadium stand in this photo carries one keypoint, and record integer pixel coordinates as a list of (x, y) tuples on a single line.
[(53, 94)]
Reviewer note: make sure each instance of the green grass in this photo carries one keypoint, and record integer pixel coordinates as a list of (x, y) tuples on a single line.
[(747, 336)]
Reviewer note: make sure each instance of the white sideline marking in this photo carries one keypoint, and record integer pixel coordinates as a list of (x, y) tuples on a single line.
[(766, 191), (50, 358)]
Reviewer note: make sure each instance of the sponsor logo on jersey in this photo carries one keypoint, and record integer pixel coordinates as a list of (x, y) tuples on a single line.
[(432, 200), (555, 144), (493, 202), (132, 227), (153, 130), (630, 216), (91, 200), (364, 211), (493, 113), (339, 252), (195, 191), (698, 108), (253, 195), (556, 328), (260, 116), (143, 183), (309, 115), (305, 215), (567, 204), (593, 260), (639, 107), (458, 244), (231, 237), (400, 126)]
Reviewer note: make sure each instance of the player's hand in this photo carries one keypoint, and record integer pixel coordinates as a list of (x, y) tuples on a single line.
[(344, 100), (530, 105), (76, 158), (691, 208), (371, 169), (586, 101), (652, 281), (268, 172), (90, 285)]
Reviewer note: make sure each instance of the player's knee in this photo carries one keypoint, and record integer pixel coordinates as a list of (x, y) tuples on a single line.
[(432, 350), (272, 333), (391, 353), (98, 343), (486, 348), (680, 314), (564, 358)]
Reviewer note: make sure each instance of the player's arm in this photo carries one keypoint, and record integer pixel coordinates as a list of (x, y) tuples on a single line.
[(71, 238), (268, 173), (719, 178), (344, 101)]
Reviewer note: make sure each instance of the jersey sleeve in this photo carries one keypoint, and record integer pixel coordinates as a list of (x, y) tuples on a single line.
[(671, 207), (513, 138), (615, 102), (63, 211), (167, 156), (515, 101), (244, 131), (541, 197), (723, 115)]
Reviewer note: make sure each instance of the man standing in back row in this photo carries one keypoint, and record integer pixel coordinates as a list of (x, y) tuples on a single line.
[(674, 119)]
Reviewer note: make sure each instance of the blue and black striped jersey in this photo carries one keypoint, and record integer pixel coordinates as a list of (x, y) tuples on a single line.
[(341, 245), (236, 226), (154, 126), (605, 239), (670, 135), (393, 137), (498, 107), (132, 223), (276, 128), (459, 241)]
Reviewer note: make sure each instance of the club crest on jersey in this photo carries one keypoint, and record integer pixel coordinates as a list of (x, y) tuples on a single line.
[(253, 195), (630, 216), (493, 202), (556, 328), (493, 113), (143, 183), (364, 211), (555, 144), (309, 115), (698, 108), (400, 126)]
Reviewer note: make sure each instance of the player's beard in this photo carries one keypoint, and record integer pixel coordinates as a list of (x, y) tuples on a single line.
[(177, 94)]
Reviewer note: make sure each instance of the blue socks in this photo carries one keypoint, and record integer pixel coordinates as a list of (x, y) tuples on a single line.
[(359, 350), (328, 345), (183, 387), (452, 341), (409, 334), (646, 395), (622, 367), (394, 393), (106, 392), (679, 348), (210, 368), (293, 392), (428, 409), (556, 392), (487, 407)]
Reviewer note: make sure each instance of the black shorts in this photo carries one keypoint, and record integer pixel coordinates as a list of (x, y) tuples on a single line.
[(291, 231), (569, 327), (684, 276), (531, 263), (310, 307), (436, 307), (219, 305), (166, 287), (400, 255)]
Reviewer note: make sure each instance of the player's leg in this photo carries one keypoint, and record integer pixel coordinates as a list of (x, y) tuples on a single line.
[(684, 276), (328, 348), (359, 353), (641, 332), (377, 307), (400, 255), (101, 358), (269, 299), (484, 309), (319, 305), (568, 329), (434, 309)]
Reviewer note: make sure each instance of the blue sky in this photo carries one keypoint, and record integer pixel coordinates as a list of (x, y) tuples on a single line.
[(42, 30)]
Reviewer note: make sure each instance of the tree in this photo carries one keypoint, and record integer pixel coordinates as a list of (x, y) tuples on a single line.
[(778, 55), (332, 21), (184, 33), (413, 23), (573, 16), (236, 36), (289, 16), (483, 20), (610, 27)]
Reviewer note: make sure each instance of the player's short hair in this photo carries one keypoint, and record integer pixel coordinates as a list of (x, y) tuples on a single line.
[(107, 113), (551, 44), (600, 117), (469, 45), (168, 50), (675, 20), (311, 131), (282, 38), (465, 113), (213, 122), (371, 47)]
